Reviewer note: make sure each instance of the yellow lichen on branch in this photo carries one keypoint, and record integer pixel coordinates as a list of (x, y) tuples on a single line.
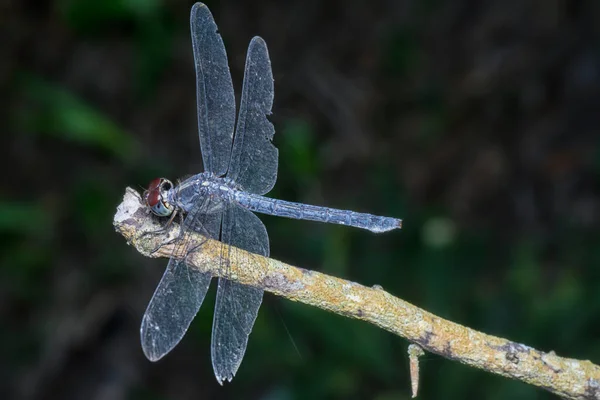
[(570, 378)]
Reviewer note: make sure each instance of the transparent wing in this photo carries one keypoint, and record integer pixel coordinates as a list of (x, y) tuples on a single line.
[(214, 91), (180, 292), (254, 157), (174, 305), (236, 305)]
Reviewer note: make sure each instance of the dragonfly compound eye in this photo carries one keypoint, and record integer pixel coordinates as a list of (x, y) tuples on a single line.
[(154, 184)]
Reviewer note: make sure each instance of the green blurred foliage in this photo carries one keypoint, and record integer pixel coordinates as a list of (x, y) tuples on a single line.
[(53, 111)]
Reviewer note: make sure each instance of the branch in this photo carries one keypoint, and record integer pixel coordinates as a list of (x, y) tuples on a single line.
[(569, 378)]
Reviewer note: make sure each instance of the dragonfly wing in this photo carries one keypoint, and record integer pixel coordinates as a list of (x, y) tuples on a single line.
[(214, 91), (174, 305), (236, 305), (254, 157), (180, 293)]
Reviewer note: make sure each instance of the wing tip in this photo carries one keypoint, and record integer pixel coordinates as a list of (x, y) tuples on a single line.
[(148, 344), (151, 353), (257, 43), (223, 378), (224, 371), (197, 6), (258, 39)]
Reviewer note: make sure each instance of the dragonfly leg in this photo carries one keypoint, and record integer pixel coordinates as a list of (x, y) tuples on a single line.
[(165, 229), (193, 250), (179, 235), (172, 217)]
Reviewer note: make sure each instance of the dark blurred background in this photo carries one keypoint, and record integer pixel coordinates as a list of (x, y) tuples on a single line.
[(475, 121)]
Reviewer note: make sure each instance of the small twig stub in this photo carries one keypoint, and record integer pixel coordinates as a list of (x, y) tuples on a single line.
[(414, 352)]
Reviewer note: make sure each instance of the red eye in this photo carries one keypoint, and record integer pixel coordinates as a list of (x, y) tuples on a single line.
[(154, 184), (153, 197)]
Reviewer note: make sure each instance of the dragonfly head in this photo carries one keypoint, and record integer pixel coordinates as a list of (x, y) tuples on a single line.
[(156, 197)]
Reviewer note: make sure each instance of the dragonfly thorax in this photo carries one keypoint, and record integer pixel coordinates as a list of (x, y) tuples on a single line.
[(201, 188), (163, 198)]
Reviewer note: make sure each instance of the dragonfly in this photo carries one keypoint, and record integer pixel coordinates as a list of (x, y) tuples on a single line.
[(219, 203)]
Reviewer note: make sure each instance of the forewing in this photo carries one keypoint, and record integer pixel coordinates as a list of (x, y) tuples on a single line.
[(214, 91), (180, 292), (254, 157), (236, 305)]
